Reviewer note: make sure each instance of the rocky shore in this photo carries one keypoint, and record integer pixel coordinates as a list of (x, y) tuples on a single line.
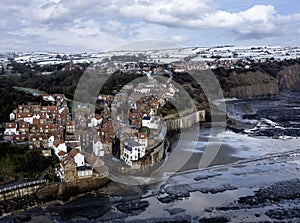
[(255, 190), (64, 191), (273, 117), (51, 192)]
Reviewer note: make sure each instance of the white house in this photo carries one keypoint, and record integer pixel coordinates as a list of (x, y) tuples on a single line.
[(12, 116), (95, 122), (78, 157), (10, 129), (59, 147), (98, 146), (48, 98), (28, 118), (132, 151), (79, 160), (84, 171), (51, 141), (150, 121), (36, 116)]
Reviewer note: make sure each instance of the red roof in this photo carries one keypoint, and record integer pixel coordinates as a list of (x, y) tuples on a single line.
[(27, 115), (73, 153), (65, 160), (24, 125), (61, 153), (56, 143), (141, 135), (10, 125), (70, 123)]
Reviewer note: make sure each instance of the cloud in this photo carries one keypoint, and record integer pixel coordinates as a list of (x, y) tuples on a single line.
[(169, 13), (77, 23), (178, 39), (259, 19)]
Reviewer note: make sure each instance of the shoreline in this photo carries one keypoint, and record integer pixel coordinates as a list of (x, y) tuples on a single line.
[(198, 184), (106, 191)]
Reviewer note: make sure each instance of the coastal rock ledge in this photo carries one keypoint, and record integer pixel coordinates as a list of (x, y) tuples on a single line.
[(64, 191)]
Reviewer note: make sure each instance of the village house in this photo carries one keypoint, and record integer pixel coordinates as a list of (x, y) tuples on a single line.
[(98, 146), (46, 152), (150, 121), (10, 129), (141, 137), (69, 171), (132, 151), (59, 146), (73, 142), (12, 116), (62, 154), (95, 121), (78, 157), (24, 128), (51, 140), (34, 142), (73, 165), (38, 123), (84, 171), (70, 127), (28, 117), (20, 138)]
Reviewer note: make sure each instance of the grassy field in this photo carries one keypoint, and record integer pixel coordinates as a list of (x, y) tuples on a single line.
[(30, 90)]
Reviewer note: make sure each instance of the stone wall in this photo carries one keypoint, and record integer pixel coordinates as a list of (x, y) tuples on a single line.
[(20, 192), (53, 191), (185, 121), (156, 154)]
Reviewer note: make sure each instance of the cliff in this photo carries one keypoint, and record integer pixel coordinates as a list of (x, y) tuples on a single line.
[(289, 77), (262, 80), (252, 84)]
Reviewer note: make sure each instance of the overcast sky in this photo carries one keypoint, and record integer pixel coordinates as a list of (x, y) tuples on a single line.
[(99, 25)]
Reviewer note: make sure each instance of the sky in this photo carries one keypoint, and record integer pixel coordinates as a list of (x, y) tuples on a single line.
[(101, 25)]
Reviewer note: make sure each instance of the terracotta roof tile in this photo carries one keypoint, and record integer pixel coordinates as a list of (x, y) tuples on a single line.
[(10, 125), (73, 153), (62, 153)]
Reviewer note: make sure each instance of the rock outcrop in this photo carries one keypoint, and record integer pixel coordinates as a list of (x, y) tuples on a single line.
[(252, 84), (289, 77), (262, 80), (64, 191)]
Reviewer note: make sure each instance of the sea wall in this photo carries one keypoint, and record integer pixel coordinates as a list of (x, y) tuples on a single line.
[(53, 191), (20, 192), (174, 123)]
